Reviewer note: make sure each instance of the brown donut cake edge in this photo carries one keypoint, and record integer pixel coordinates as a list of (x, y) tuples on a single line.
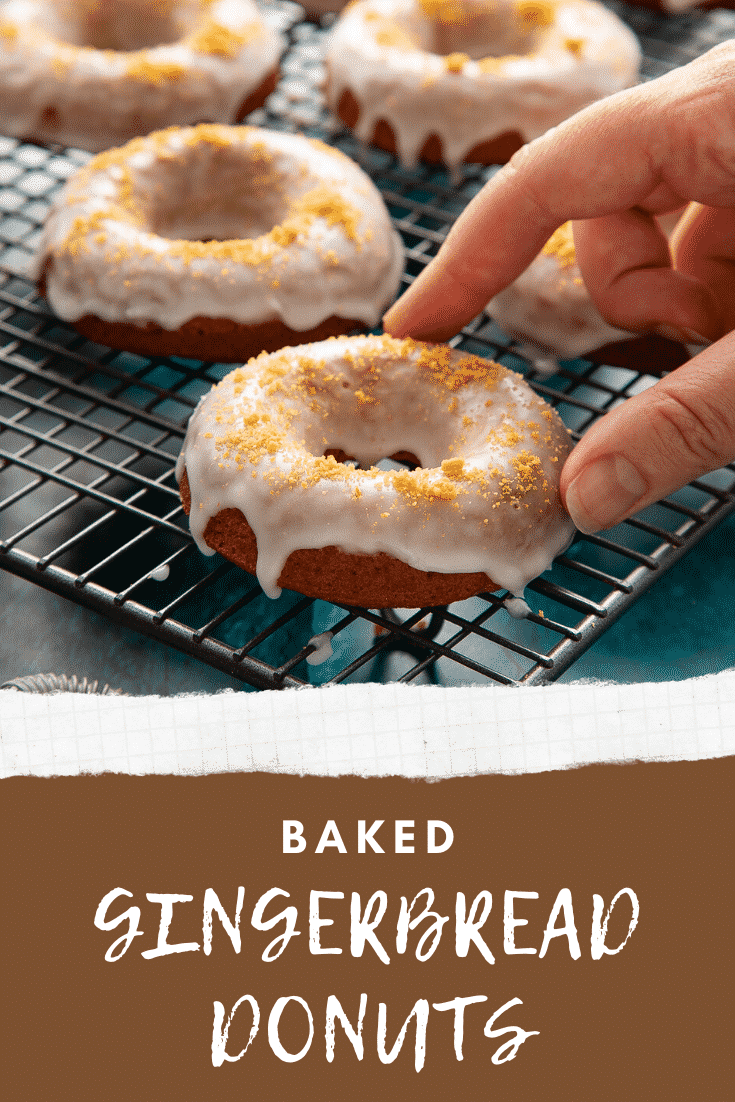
[(365, 581), (258, 97), (218, 340), (494, 152)]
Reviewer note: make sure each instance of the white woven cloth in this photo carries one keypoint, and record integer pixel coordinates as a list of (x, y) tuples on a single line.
[(370, 729)]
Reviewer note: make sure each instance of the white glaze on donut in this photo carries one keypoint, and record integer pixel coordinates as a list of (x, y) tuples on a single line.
[(484, 499), (304, 233), (55, 88), (381, 50)]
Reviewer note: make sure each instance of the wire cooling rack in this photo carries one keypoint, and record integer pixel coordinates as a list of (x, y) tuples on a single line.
[(88, 438)]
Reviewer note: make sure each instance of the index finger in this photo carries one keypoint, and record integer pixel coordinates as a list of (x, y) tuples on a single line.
[(596, 163)]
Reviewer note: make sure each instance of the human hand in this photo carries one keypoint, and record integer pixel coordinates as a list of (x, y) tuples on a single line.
[(612, 168)]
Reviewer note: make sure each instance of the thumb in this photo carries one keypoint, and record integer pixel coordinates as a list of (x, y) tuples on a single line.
[(654, 443)]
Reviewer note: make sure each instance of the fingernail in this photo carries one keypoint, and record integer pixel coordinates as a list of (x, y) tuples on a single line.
[(604, 494), (683, 335)]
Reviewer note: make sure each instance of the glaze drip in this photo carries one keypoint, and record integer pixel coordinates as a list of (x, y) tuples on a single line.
[(469, 71)]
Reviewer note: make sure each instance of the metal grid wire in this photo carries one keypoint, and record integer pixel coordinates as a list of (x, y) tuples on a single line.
[(88, 438)]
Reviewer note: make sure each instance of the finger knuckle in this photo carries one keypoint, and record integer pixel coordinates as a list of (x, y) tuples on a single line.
[(538, 201), (526, 182), (697, 426)]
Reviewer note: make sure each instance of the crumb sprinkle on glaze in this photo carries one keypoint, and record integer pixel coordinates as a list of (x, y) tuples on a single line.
[(219, 41)]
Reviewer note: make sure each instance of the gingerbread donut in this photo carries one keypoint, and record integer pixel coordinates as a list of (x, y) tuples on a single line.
[(96, 73), (259, 478), (548, 310), (471, 80), (217, 242)]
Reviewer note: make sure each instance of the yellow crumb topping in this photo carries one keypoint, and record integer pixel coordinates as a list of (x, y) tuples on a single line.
[(455, 63), (324, 202), (8, 30), (454, 374), (526, 467), (528, 477), (422, 486), (212, 133), (453, 12), (219, 41), (453, 468), (141, 67), (61, 63), (83, 228), (574, 45), (126, 207), (393, 36), (561, 246), (506, 436), (535, 13), (253, 439)]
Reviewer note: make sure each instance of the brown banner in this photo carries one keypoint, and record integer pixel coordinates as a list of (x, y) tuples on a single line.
[(516, 913)]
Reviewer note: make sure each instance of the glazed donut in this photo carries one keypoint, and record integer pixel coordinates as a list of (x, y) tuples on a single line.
[(216, 242), (448, 81), (548, 310), (261, 483), (96, 73)]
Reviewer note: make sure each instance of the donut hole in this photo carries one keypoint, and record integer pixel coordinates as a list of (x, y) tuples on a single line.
[(398, 459), (216, 193), (384, 417), (122, 25), (221, 220), (480, 29)]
